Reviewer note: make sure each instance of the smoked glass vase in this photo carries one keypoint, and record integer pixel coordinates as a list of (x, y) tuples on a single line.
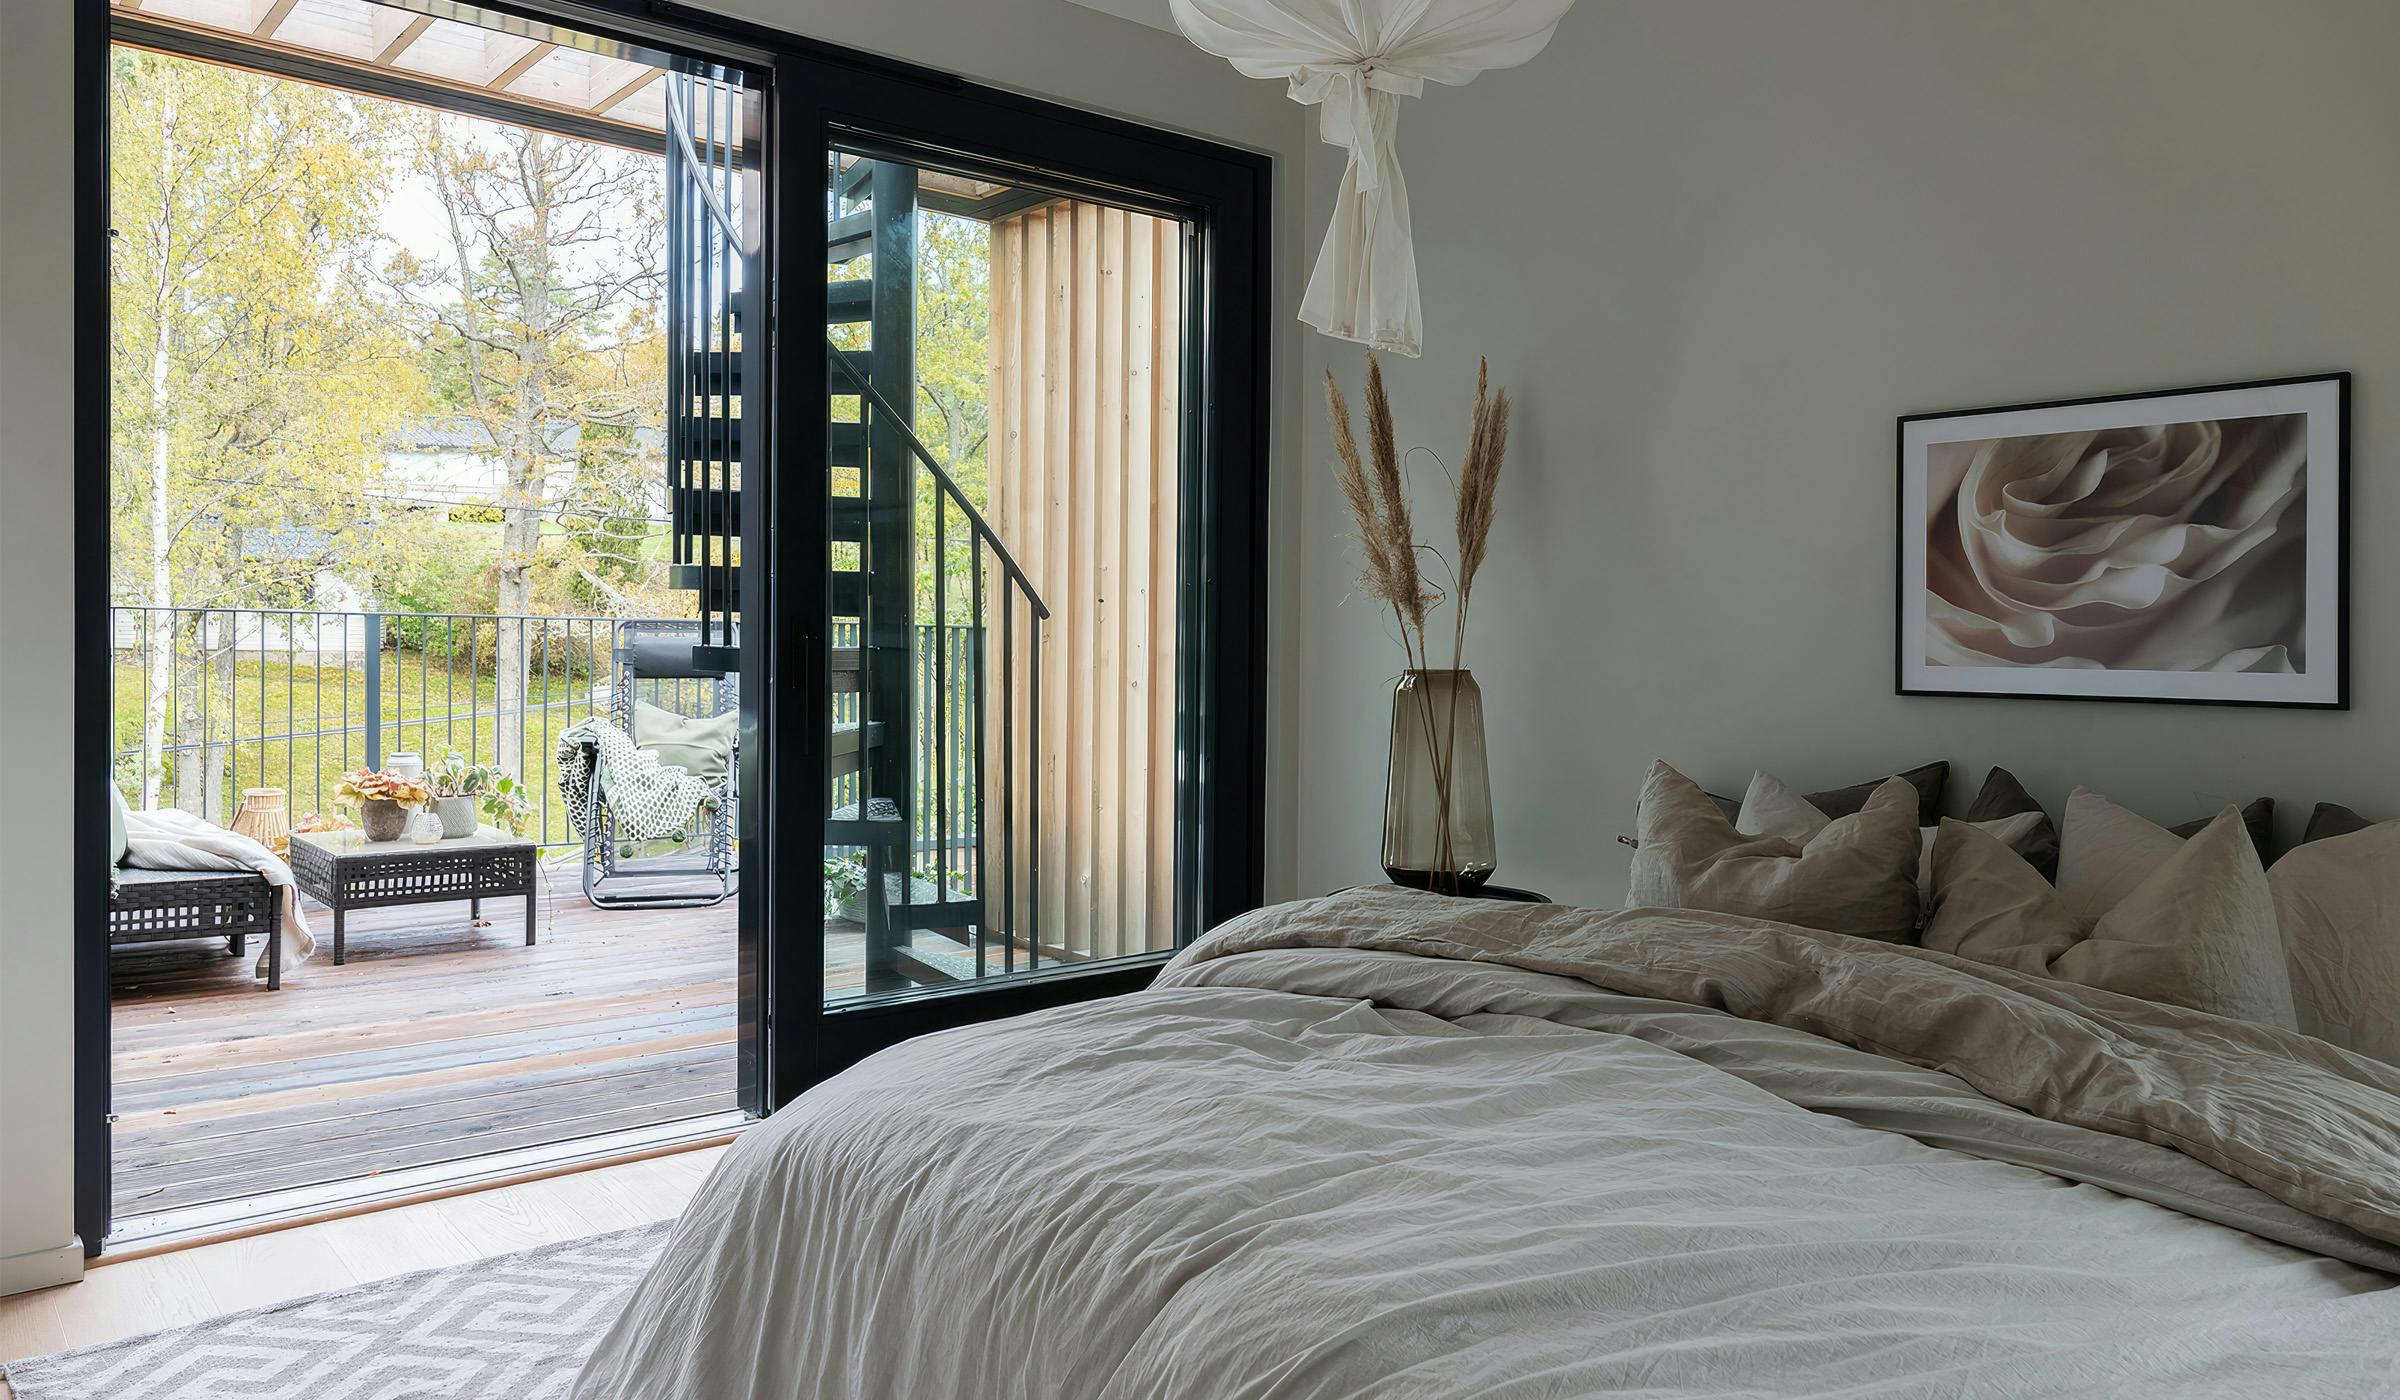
[(1437, 796)]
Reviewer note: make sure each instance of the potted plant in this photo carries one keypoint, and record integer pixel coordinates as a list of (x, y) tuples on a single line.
[(845, 881), (383, 799), (466, 793)]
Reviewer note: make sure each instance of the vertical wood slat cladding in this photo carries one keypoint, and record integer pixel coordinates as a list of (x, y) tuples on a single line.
[(1087, 328)]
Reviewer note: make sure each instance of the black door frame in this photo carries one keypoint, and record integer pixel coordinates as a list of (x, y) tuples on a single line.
[(811, 90), (1223, 195)]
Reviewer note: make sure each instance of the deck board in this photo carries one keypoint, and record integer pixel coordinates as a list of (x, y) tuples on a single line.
[(439, 1038)]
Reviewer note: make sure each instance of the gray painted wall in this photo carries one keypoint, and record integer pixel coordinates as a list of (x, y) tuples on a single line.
[(36, 493), (1044, 47), (1715, 246)]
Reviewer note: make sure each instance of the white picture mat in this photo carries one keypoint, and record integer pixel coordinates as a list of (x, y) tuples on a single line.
[(2320, 684)]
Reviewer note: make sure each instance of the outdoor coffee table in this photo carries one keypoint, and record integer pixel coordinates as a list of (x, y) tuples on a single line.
[(343, 870)]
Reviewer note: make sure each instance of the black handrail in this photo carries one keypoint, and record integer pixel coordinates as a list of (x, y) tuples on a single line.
[(691, 157), (894, 418)]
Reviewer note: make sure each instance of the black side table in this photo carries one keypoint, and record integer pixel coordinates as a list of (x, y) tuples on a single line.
[(1506, 893)]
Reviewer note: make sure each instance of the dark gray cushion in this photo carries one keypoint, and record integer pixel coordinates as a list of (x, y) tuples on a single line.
[(2003, 796), (2332, 819), (2258, 817)]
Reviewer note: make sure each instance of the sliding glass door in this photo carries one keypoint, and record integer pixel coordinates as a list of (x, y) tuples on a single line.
[(1036, 520)]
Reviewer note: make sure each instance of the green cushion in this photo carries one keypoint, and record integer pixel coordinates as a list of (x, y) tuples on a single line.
[(700, 747)]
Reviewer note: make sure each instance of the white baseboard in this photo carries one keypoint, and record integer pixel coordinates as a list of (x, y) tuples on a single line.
[(41, 1268)]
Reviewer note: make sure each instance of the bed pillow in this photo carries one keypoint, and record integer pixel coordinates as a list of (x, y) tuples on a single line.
[(2197, 929), (2002, 797), (2338, 902), (1929, 780), (1857, 875), (2258, 818), (1771, 808), (2329, 819)]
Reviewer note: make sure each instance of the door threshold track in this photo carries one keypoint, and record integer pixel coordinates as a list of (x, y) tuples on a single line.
[(140, 1236)]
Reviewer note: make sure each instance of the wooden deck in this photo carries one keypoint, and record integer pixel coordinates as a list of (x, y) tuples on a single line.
[(438, 1039)]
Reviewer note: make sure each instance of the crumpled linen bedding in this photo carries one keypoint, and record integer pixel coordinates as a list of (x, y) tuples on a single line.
[(1389, 1145)]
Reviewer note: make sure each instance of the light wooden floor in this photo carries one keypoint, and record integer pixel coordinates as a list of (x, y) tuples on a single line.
[(168, 1290)]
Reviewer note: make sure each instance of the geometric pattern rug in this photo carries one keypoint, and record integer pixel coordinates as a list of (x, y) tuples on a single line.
[(512, 1327)]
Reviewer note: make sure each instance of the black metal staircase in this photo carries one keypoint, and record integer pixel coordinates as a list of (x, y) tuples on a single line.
[(918, 773), (920, 784)]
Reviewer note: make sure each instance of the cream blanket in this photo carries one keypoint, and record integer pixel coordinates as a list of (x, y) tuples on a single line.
[(1388, 1145), (169, 839)]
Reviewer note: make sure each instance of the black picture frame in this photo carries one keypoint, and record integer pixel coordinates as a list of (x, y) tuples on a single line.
[(2324, 399)]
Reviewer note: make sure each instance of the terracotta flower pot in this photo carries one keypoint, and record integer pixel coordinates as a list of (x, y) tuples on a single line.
[(383, 818)]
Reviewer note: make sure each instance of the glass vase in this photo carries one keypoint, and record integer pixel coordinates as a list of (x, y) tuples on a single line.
[(1437, 796)]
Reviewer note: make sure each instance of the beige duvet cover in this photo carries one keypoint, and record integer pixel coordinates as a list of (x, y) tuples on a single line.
[(1386, 1144)]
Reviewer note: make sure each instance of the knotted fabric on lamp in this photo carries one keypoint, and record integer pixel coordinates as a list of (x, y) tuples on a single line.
[(1353, 60)]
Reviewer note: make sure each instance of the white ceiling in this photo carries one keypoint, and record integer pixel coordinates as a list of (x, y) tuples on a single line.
[(1149, 12)]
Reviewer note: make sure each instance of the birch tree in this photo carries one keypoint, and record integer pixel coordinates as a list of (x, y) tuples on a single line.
[(255, 377)]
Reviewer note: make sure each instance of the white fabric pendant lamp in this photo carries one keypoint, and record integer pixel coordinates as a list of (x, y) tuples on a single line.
[(1354, 60)]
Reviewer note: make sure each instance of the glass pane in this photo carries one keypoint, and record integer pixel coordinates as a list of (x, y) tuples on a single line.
[(1006, 427)]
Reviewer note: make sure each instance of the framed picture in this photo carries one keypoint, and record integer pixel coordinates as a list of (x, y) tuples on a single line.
[(2183, 546)]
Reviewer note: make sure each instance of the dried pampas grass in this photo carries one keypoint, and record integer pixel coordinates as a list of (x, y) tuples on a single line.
[(1378, 499), (1378, 502)]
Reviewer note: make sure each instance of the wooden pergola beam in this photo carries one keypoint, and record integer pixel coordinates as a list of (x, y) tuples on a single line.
[(641, 80), (273, 19), (517, 69), (400, 42)]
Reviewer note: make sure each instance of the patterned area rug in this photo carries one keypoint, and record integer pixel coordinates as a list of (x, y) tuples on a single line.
[(514, 1327)]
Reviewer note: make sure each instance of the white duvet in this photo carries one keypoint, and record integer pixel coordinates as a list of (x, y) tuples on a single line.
[(1324, 1159)]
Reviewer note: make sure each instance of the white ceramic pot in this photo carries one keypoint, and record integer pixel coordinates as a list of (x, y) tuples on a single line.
[(457, 814)]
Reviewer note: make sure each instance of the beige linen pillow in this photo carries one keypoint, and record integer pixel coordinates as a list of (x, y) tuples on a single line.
[(1855, 875), (2198, 930), (2338, 901), (2105, 851), (1772, 808)]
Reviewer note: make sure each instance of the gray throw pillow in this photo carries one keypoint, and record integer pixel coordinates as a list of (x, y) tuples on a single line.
[(2330, 819), (2002, 796)]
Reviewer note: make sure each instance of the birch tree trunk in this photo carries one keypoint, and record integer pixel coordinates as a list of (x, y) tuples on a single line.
[(526, 459), (159, 657)]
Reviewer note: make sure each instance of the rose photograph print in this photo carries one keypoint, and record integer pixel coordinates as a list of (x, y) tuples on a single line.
[(2184, 546)]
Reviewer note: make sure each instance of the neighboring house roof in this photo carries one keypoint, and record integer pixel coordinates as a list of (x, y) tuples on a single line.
[(462, 434), (286, 542)]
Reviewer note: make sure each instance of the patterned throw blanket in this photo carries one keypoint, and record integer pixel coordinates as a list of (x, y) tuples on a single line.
[(650, 800)]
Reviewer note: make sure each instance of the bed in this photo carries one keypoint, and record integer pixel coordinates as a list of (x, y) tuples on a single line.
[(1389, 1144)]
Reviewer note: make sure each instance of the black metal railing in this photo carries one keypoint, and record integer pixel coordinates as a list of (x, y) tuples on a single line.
[(286, 698), (968, 773)]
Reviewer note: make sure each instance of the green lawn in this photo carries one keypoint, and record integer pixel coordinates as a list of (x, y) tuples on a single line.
[(297, 726)]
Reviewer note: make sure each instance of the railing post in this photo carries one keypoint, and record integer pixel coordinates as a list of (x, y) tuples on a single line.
[(374, 690)]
